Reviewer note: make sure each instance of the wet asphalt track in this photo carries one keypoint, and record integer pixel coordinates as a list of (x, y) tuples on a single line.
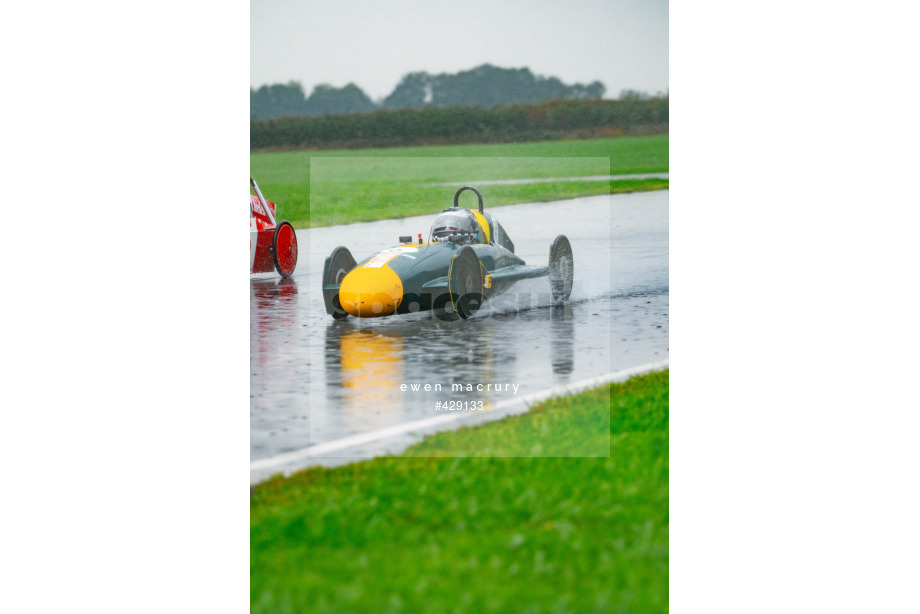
[(315, 380)]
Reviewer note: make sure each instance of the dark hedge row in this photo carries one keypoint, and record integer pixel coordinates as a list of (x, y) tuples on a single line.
[(461, 124)]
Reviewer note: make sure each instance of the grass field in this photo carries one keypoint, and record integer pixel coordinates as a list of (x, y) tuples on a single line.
[(428, 533), (339, 187)]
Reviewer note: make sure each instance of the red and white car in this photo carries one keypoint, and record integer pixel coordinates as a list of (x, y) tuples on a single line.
[(272, 247)]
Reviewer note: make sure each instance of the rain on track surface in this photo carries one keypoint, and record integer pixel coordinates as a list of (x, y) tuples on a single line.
[(315, 380)]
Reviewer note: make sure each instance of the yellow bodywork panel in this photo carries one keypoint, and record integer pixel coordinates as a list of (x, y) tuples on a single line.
[(484, 224), (371, 291)]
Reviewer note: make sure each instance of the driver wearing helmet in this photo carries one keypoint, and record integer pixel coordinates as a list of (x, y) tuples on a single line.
[(456, 225)]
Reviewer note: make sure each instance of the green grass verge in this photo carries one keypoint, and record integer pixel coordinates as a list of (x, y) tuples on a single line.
[(424, 533), (370, 184)]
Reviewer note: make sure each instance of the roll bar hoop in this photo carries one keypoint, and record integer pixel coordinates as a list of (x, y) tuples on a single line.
[(457, 196)]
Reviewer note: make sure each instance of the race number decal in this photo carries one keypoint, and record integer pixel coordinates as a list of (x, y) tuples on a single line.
[(386, 255)]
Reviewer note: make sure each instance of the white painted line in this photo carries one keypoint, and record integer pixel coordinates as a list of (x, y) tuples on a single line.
[(401, 429), (348, 442), (584, 384)]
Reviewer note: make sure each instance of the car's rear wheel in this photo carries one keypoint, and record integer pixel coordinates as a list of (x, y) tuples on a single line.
[(466, 282), (284, 249), (561, 268)]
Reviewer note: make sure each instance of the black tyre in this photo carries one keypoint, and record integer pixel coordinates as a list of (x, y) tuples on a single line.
[(340, 262), (561, 268), (466, 282), (338, 313)]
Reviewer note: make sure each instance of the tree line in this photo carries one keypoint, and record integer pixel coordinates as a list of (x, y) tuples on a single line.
[(632, 114), (484, 86)]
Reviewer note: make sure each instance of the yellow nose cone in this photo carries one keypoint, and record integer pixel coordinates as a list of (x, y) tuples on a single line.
[(370, 292)]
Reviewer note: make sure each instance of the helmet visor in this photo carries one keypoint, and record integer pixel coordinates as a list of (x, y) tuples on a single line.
[(452, 223)]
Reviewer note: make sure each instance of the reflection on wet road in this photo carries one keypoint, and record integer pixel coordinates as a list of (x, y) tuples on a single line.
[(315, 380)]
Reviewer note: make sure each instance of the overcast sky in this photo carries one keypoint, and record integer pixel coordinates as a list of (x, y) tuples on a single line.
[(622, 43)]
